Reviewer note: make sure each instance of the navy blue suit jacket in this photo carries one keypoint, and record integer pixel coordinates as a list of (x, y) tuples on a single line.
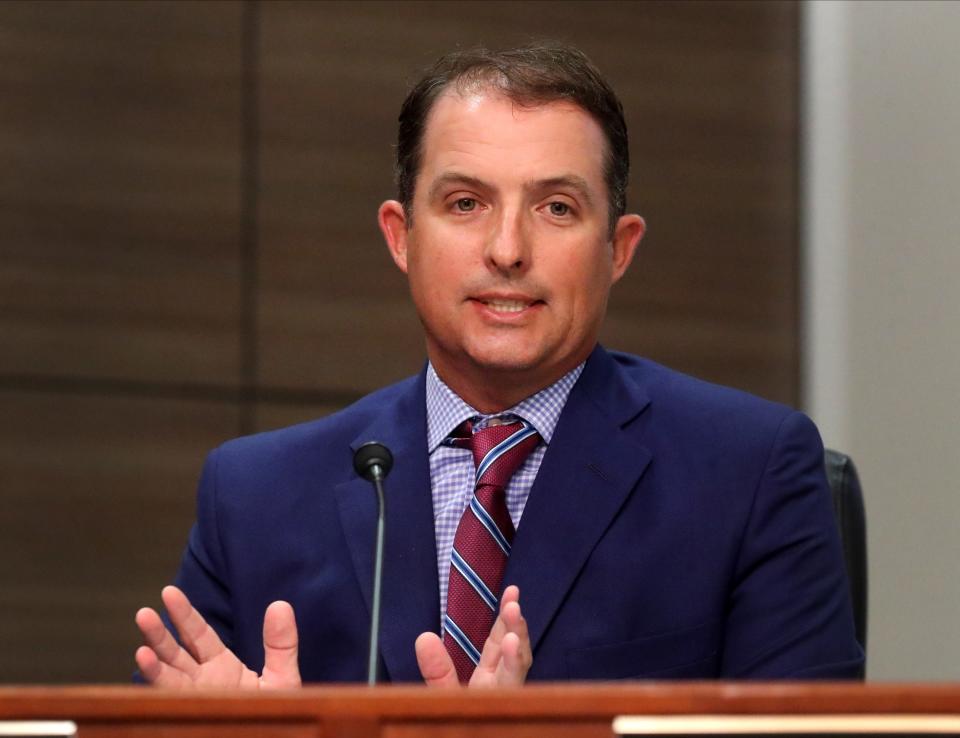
[(676, 529)]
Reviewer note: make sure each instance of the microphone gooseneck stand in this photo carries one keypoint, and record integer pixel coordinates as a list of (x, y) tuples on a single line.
[(373, 462)]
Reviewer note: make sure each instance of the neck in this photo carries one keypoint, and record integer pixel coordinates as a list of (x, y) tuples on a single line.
[(491, 400), (492, 391)]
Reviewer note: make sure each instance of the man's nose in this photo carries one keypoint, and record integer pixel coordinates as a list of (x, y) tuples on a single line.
[(508, 249)]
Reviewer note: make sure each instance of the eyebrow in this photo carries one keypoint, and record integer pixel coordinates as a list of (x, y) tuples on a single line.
[(455, 178), (568, 181)]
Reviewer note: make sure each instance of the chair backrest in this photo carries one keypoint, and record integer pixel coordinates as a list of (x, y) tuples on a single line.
[(851, 519)]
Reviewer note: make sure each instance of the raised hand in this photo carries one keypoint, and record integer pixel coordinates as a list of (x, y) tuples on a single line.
[(203, 660), (504, 662)]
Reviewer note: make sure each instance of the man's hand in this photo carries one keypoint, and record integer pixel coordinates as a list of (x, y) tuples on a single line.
[(204, 661), (506, 656)]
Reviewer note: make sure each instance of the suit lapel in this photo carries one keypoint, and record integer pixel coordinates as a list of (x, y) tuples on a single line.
[(587, 473), (410, 597)]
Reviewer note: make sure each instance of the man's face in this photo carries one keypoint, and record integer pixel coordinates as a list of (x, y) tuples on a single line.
[(508, 254)]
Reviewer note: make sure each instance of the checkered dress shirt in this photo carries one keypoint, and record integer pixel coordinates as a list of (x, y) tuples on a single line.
[(452, 469)]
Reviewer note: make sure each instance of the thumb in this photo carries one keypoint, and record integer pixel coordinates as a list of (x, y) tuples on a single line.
[(436, 666), (280, 642)]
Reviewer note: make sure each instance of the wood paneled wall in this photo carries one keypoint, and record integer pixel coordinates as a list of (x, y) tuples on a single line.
[(189, 251)]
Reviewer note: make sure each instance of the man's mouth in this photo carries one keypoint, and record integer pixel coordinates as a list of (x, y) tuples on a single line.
[(507, 306)]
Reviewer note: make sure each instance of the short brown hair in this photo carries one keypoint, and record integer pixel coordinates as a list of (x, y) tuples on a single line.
[(530, 75)]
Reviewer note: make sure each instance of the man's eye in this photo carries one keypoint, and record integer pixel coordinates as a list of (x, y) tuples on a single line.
[(466, 204), (559, 208)]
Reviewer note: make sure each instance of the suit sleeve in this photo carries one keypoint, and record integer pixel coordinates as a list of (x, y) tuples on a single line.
[(203, 574), (789, 613)]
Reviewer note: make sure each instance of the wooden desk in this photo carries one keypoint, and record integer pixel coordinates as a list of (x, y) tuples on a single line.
[(550, 711)]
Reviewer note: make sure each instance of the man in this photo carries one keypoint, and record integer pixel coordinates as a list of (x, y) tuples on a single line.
[(654, 526)]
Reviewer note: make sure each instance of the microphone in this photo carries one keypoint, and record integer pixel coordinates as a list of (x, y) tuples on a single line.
[(373, 462)]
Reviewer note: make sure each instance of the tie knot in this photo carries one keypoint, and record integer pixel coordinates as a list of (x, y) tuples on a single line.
[(499, 450)]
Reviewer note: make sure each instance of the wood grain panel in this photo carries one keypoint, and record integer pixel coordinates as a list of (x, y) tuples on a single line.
[(271, 415), (752, 355), (98, 498), (712, 109), (710, 95), (120, 190), (334, 311)]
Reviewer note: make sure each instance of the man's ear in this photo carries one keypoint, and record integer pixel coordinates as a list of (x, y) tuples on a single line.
[(393, 225), (626, 237)]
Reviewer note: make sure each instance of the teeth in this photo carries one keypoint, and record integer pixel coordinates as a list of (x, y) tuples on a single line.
[(507, 306)]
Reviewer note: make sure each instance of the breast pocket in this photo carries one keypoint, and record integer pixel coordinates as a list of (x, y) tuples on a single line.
[(689, 653)]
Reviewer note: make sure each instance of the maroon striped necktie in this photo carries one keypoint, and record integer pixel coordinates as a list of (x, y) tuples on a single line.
[(483, 539)]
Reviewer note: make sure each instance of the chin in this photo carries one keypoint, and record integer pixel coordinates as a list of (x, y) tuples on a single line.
[(504, 360)]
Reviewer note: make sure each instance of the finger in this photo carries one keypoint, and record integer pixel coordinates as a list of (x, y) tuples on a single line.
[(280, 647), (147, 663), (507, 654), (436, 666), (513, 672), (490, 655), (510, 594), (198, 637), (157, 673), (517, 653), (162, 643), (516, 624)]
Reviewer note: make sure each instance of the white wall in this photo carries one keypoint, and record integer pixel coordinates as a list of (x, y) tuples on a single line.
[(882, 239)]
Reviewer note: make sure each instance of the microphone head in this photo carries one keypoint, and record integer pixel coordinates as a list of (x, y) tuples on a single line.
[(373, 460)]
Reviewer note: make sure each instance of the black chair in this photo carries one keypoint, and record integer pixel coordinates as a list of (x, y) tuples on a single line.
[(851, 519)]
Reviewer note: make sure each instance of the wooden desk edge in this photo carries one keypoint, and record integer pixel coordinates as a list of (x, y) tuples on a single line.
[(540, 701)]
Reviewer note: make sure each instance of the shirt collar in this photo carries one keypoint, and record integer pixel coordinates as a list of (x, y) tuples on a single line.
[(446, 409)]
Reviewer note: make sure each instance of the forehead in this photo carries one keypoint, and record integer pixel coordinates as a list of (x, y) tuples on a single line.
[(486, 134)]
